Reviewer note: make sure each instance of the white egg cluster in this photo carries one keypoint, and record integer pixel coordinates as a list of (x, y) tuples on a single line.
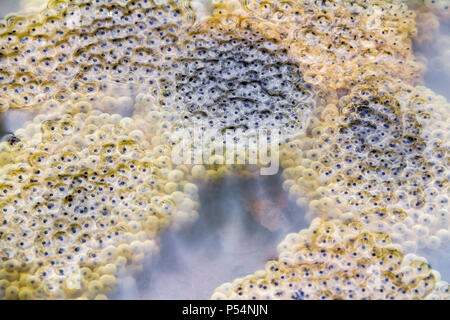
[(85, 195), (335, 260), (380, 156)]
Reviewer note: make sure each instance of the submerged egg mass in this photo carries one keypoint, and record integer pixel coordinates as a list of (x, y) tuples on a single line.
[(83, 198), (79, 47), (238, 80), (334, 260), (85, 194), (339, 43), (383, 158)]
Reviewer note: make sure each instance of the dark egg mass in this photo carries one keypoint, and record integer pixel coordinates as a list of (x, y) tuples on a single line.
[(227, 81)]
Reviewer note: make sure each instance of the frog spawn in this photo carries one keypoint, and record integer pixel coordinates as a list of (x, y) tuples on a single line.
[(93, 162), (379, 156), (82, 202), (339, 42), (336, 260), (227, 81), (238, 80), (343, 78), (80, 48)]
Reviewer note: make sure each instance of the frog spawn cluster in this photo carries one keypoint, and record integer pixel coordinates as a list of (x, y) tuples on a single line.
[(83, 203), (232, 84), (145, 43), (383, 136), (81, 48), (336, 260), (231, 77), (169, 77), (74, 45), (381, 157), (339, 42)]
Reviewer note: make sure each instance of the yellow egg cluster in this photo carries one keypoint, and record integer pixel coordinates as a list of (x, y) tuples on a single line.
[(381, 156), (335, 260), (85, 196), (74, 45), (339, 42), (83, 47), (86, 192), (228, 82)]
